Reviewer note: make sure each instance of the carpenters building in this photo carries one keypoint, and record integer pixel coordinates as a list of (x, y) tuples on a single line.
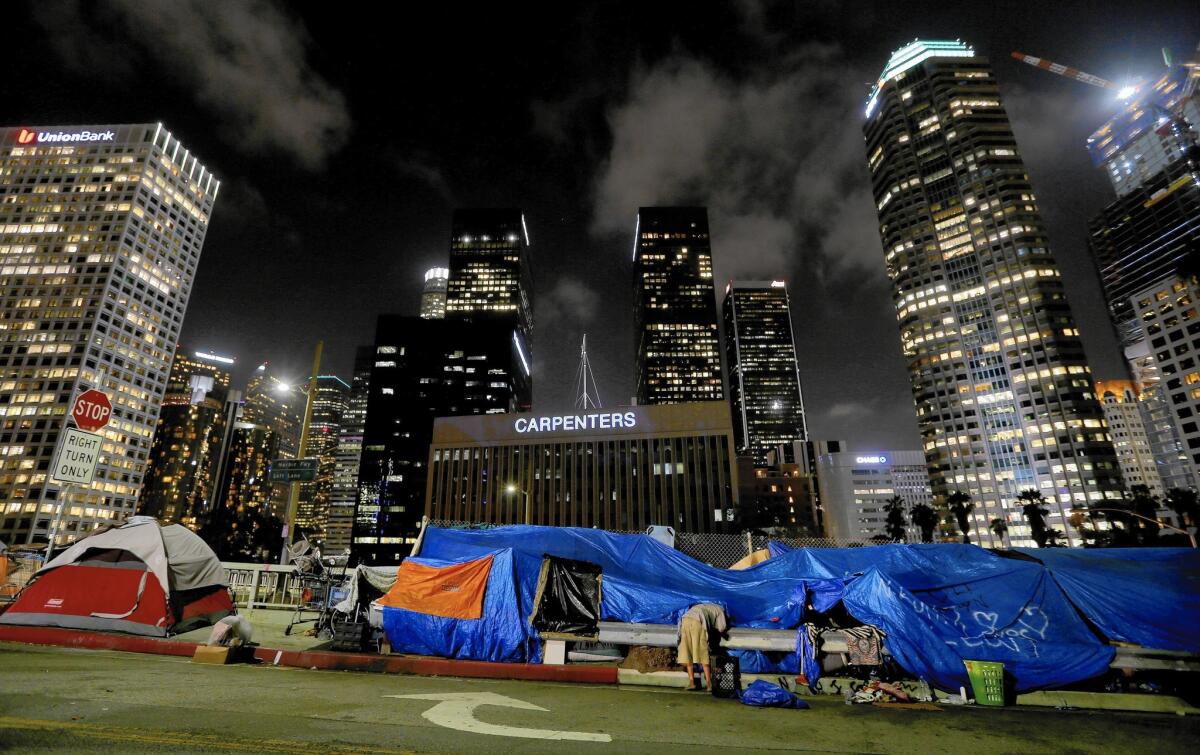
[(622, 468)]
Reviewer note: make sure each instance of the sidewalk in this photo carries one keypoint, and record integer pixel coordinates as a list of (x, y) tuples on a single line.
[(299, 650)]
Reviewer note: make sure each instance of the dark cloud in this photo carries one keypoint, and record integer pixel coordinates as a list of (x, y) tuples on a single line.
[(246, 60), (776, 156), (569, 303)]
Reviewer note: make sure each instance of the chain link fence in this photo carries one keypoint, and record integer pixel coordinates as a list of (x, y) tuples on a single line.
[(719, 549)]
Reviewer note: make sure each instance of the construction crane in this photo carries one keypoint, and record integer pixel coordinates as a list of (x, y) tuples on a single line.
[(1169, 122), (1124, 92)]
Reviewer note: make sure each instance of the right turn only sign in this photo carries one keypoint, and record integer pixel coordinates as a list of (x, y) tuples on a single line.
[(77, 457)]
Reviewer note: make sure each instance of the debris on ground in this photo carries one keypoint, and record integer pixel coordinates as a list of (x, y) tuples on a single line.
[(646, 659), (876, 691), (906, 706)]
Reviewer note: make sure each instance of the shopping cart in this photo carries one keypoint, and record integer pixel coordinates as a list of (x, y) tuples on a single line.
[(320, 587), (17, 567)]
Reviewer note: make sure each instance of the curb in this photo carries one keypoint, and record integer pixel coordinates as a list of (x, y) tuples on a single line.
[(317, 659)]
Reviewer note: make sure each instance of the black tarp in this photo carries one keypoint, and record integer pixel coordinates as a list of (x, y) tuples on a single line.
[(569, 598)]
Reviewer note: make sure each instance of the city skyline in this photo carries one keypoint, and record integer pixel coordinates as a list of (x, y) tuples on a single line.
[(572, 208)]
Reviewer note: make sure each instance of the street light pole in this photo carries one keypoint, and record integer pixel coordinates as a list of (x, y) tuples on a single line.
[(294, 497), (1191, 537), (510, 489)]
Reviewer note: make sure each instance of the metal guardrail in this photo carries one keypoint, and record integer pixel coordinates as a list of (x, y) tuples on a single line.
[(665, 635), (833, 641), (263, 585)]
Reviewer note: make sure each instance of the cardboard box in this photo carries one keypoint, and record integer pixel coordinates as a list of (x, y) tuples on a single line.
[(217, 655)]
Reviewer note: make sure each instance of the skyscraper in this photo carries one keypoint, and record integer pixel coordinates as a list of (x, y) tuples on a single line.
[(100, 234), (1125, 415), (329, 402), (1145, 236), (490, 282), (764, 377), (1170, 316), (187, 440), (675, 308), (433, 295), (422, 369), (344, 493), (1140, 141), (1003, 393), (276, 408)]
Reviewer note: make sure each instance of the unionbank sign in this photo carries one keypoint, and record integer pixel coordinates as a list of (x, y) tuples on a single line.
[(25, 136), (576, 422)]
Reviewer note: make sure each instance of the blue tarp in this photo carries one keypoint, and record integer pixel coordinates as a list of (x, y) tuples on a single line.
[(502, 633), (1147, 596), (938, 604)]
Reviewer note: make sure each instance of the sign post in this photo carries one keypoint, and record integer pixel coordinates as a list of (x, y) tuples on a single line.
[(78, 451)]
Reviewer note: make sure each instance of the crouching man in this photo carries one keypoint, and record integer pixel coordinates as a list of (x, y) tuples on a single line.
[(700, 627)]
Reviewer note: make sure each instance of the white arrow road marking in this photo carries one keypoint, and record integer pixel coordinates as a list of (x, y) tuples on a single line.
[(456, 710)]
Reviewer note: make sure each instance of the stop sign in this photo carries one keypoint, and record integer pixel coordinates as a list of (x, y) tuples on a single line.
[(92, 410)]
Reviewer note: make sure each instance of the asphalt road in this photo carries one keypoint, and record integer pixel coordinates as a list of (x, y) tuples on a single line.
[(58, 700)]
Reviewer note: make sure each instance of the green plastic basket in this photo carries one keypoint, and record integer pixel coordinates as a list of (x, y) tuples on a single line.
[(987, 681)]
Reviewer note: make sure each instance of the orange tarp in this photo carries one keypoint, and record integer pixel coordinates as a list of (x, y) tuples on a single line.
[(455, 592)]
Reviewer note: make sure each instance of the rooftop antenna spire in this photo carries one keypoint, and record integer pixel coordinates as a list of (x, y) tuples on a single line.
[(589, 398)]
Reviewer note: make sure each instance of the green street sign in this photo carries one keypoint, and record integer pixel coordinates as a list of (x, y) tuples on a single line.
[(294, 470)]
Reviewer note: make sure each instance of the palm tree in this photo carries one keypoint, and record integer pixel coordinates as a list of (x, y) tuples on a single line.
[(1145, 505), (1052, 537), (960, 505), (1035, 511), (999, 528), (1184, 503), (895, 519), (924, 516)]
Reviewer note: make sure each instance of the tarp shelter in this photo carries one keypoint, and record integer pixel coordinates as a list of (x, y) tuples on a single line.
[(138, 578), (461, 608), (568, 599), (937, 604), (1147, 596)]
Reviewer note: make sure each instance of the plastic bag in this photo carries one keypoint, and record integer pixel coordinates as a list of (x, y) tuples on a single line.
[(766, 695)]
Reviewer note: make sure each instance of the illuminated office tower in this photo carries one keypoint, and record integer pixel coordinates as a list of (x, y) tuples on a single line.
[(490, 282), (312, 512), (1003, 393), (1141, 140), (675, 308), (187, 440), (764, 379), (1126, 424), (277, 406), (344, 492), (433, 296), (1145, 236), (422, 370), (100, 234)]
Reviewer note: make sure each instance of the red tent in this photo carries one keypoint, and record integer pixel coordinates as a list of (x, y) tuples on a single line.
[(139, 578)]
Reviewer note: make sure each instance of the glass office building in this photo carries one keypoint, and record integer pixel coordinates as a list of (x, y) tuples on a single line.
[(187, 440), (1004, 397), (101, 229), (675, 308), (764, 377)]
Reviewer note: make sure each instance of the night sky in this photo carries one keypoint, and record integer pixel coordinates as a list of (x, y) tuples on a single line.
[(344, 134)]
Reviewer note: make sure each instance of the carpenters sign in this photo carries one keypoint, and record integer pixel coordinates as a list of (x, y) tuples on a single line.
[(575, 422)]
